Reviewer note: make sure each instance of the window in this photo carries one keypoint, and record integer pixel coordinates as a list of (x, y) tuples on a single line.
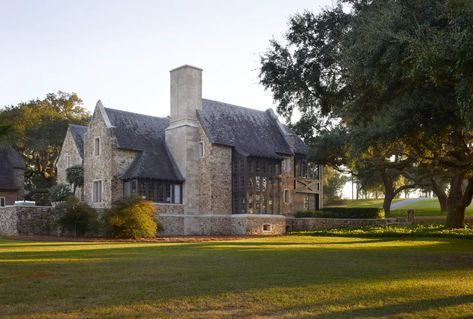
[(201, 149), (2, 201), (286, 196), (154, 190), (97, 146), (266, 227), (97, 191), (67, 159), (306, 202)]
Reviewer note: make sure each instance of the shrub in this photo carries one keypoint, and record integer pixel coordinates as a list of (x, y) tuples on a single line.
[(131, 217), (76, 217), (59, 193), (394, 231), (343, 212)]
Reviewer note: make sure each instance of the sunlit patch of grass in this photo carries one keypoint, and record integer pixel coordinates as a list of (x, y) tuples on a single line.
[(274, 277)]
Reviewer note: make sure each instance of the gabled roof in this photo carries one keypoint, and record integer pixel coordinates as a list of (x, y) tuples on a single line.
[(78, 133), (249, 131), (9, 161), (145, 134)]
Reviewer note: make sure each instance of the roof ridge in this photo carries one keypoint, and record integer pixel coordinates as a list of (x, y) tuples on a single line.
[(141, 114), (237, 106)]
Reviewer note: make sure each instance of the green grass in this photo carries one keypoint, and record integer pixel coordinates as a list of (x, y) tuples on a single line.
[(427, 207), (433, 230), (276, 277), (375, 203)]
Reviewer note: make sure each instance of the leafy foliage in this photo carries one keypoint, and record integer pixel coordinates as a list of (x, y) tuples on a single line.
[(59, 192), (75, 176), (395, 231), (76, 217), (333, 182), (131, 217), (391, 83), (37, 130)]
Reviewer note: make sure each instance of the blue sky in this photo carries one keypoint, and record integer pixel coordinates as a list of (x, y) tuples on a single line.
[(121, 51)]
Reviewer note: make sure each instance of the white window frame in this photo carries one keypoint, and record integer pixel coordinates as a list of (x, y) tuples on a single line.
[(94, 199), (4, 199), (97, 146)]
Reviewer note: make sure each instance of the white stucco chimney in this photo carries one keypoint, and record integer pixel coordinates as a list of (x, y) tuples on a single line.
[(186, 93)]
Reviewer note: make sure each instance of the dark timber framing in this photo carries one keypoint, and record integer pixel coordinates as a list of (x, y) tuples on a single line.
[(255, 184)]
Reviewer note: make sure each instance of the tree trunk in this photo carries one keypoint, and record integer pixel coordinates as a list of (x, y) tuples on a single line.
[(388, 199), (456, 203), (440, 193)]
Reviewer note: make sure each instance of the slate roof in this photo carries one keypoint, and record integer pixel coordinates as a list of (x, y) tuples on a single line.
[(145, 134), (249, 131), (9, 161), (78, 133)]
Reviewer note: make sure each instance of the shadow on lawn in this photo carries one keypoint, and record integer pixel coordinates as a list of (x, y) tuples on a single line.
[(401, 308), (149, 272)]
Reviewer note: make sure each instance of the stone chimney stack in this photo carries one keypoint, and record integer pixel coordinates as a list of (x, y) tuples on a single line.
[(183, 133), (186, 93)]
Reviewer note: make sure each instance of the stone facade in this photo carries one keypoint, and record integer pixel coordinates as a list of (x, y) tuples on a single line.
[(215, 184), (98, 167), (202, 162), (68, 157)]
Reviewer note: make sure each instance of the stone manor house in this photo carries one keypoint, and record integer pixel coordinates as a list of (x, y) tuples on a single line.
[(211, 167)]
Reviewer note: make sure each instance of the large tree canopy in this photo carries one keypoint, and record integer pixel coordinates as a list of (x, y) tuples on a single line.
[(386, 72), (37, 130)]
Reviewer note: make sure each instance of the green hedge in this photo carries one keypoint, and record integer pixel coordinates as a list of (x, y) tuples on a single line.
[(343, 212), (394, 231)]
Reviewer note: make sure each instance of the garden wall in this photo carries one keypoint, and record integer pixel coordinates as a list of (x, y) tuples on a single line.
[(307, 224), (26, 220)]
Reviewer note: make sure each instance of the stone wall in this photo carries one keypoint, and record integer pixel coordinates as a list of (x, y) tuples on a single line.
[(244, 224), (215, 184), (69, 148), (98, 167), (27, 220), (307, 224)]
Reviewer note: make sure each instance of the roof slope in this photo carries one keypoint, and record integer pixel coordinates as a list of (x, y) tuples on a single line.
[(145, 134), (249, 131), (78, 133), (9, 161)]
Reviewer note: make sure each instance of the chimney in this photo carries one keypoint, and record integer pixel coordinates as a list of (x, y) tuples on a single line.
[(183, 132), (186, 94)]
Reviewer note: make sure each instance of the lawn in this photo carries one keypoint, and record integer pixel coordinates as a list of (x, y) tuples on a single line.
[(359, 203), (427, 207), (274, 277)]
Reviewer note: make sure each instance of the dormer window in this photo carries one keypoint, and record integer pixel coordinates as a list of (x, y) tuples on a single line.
[(97, 146)]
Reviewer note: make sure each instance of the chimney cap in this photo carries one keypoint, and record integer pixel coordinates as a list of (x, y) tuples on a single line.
[(186, 66)]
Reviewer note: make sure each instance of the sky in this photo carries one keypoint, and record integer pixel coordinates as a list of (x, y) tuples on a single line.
[(121, 51)]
